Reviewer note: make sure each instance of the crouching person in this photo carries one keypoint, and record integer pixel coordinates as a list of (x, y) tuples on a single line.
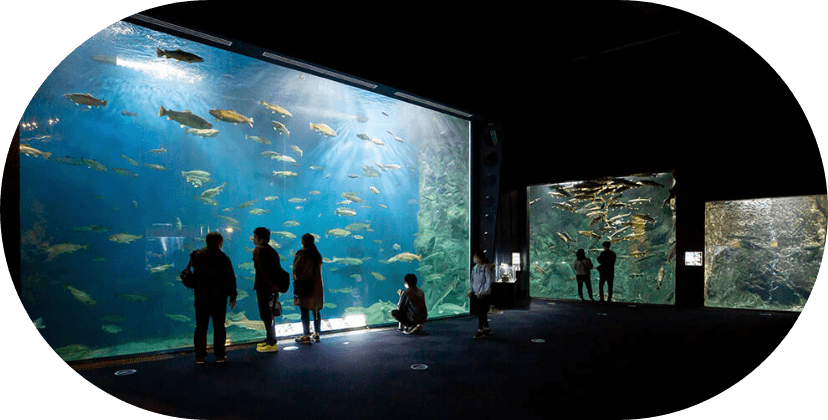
[(411, 311)]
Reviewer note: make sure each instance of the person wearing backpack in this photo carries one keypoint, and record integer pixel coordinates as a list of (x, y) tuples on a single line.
[(268, 268)]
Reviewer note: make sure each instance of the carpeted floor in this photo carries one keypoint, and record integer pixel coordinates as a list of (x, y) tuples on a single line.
[(597, 360)]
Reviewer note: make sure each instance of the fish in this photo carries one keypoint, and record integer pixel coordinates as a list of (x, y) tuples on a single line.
[(339, 233), (357, 226), (197, 178), (659, 277), (155, 166), (271, 198), (31, 151), (257, 139), (314, 192), (377, 276), (353, 176), (230, 116), (344, 211), (93, 164), (534, 201), (185, 118), (128, 114), (364, 136), (178, 225), (203, 133), (212, 192), (160, 149), (283, 158), (646, 217), (276, 108), (563, 238), (231, 221), (283, 234), (590, 234), (258, 211), (92, 228), (323, 128), (247, 204), (352, 197), (59, 249), (374, 190), (348, 261), (291, 223), (124, 238), (640, 200), (391, 166), (396, 247), (179, 318), (317, 168), (243, 322), (179, 55), (377, 141), (329, 305), (280, 128), (342, 290), (111, 328), (67, 160), (241, 294), (297, 150), (161, 268), (124, 172), (358, 237), (399, 139), (80, 295), (284, 174), (405, 257), (85, 99), (297, 200), (105, 59), (131, 297)]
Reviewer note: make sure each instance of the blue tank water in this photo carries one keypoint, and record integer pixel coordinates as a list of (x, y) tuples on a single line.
[(114, 196)]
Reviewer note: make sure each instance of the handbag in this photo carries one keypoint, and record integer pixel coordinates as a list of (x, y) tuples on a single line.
[(275, 305), (188, 278)]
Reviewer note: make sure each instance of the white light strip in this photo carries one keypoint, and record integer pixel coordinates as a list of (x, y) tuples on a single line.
[(320, 70), (432, 104), (182, 29)]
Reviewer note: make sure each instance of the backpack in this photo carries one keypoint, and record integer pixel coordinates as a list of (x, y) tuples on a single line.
[(281, 279), (188, 278)]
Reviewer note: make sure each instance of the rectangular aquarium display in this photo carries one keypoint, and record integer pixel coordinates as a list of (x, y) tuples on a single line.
[(636, 214), (140, 143), (763, 253)]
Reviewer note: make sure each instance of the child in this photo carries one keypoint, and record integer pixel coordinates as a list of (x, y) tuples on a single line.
[(411, 311)]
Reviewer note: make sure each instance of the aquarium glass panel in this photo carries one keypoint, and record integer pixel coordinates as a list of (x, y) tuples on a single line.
[(636, 214), (140, 143), (763, 253)]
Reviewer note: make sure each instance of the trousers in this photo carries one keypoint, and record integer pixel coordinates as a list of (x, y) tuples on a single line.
[(317, 320), (585, 279), (210, 307), (263, 300), (608, 279), (480, 307), (402, 318)]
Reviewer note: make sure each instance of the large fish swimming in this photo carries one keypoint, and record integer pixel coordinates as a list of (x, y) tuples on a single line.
[(280, 128), (277, 108), (30, 151), (323, 128), (85, 99), (230, 116), (80, 295), (124, 238), (179, 55), (185, 118)]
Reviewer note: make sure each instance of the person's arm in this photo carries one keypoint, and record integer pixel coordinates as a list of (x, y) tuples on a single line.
[(488, 275), (232, 282)]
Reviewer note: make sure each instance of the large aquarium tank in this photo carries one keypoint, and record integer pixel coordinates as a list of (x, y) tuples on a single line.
[(763, 253), (636, 214), (140, 143)]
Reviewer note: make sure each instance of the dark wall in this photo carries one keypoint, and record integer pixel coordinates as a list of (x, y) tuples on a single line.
[(700, 103)]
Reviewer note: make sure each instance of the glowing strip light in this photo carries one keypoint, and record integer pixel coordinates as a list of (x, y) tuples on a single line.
[(182, 29), (320, 70), (432, 104)]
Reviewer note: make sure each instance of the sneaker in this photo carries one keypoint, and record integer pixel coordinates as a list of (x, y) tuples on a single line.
[(200, 361), (479, 334), (414, 329), (316, 337), (487, 331), (221, 360), (266, 348), (303, 339)]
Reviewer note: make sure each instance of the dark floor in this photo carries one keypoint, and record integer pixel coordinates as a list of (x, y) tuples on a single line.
[(653, 359)]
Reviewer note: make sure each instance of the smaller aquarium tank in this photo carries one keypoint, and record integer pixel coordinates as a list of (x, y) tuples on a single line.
[(763, 253), (140, 143), (636, 214)]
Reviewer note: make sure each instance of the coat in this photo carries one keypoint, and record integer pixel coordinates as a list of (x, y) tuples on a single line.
[(305, 271)]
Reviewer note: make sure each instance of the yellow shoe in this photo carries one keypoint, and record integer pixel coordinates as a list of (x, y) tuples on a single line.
[(267, 349)]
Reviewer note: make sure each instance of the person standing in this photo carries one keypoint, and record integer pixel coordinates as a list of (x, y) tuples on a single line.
[(606, 271), (308, 288), (480, 289), (215, 282), (582, 267), (411, 310), (266, 262)]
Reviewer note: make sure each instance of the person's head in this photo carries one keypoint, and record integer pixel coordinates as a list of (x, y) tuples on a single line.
[(214, 240), (307, 240), (480, 257), (580, 254), (410, 280), (606, 245), (261, 235)]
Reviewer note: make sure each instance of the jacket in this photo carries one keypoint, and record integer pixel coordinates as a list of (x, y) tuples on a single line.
[(582, 267), (607, 261), (481, 279), (265, 258), (412, 303), (304, 270), (214, 273)]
